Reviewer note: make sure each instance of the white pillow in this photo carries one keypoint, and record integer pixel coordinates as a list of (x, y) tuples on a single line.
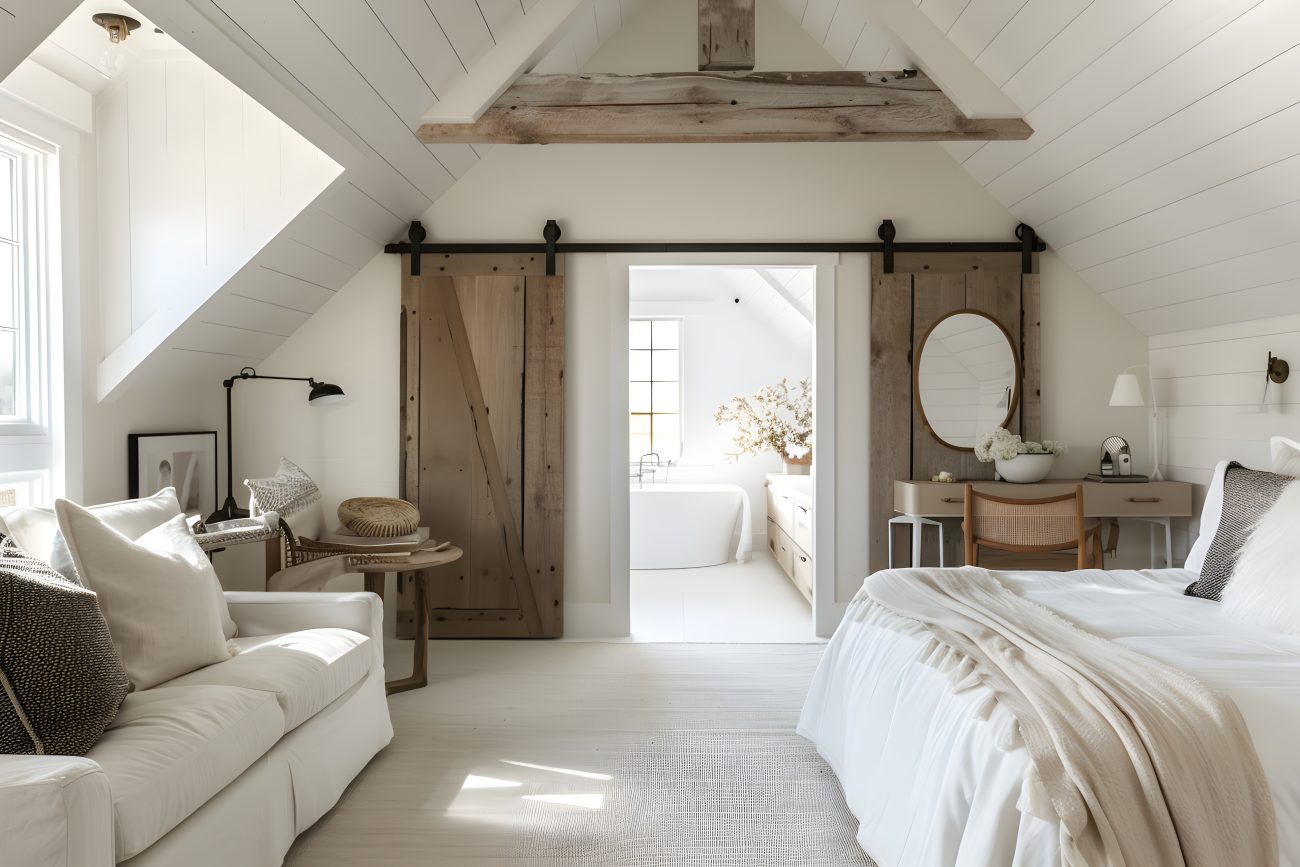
[(155, 592), (37, 532), (1286, 456), (1210, 514), (1265, 586)]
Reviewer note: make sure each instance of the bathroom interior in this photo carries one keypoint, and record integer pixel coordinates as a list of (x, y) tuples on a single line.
[(720, 459)]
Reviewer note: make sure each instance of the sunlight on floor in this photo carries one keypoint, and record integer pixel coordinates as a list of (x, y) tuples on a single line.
[(734, 602)]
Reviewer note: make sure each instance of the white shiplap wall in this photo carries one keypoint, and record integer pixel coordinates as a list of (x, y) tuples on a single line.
[(1209, 383), (1165, 161)]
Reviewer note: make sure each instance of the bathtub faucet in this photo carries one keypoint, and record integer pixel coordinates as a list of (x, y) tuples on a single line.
[(640, 466)]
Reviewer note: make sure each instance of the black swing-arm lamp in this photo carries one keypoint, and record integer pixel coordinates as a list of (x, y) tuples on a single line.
[(321, 393)]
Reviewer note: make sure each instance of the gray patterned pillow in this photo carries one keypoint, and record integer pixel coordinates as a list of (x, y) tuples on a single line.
[(61, 680), (290, 490), (1247, 495)]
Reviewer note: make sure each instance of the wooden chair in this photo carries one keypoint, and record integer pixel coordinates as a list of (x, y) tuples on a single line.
[(1036, 526)]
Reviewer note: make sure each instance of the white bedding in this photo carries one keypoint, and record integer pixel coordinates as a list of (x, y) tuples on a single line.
[(927, 779)]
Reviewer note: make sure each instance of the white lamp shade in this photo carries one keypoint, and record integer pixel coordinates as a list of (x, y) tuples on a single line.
[(1127, 391)]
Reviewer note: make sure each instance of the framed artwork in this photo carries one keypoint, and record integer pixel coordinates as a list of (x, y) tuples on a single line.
[(184, 461)]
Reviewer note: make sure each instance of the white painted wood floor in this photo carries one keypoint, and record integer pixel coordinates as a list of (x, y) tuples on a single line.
[(548, 716), (750, 602)]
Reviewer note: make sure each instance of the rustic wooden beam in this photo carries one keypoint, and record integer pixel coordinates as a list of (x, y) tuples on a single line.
[(724, 107), (726, 34)]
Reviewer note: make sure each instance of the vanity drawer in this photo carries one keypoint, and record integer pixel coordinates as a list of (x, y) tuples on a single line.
[(1120, 499), (802, 531), (780, 508), (781, 547), (803, 573)]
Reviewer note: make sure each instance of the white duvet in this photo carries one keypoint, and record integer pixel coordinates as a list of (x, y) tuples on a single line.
[(926, 777)]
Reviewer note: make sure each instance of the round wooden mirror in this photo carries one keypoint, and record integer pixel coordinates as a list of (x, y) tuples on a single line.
[(967, 378)]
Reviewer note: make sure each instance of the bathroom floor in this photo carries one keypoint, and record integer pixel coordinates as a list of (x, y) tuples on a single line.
[(735, 602)]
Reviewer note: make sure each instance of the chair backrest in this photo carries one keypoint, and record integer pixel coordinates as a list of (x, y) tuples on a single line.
[(1026, 526)]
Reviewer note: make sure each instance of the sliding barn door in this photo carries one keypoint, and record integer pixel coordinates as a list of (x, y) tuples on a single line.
[(483, 437)]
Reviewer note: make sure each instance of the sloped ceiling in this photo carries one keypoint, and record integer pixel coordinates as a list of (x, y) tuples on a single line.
[(1165, 161)]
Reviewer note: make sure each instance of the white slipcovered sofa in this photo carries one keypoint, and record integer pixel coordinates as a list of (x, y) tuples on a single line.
[(225, 765)]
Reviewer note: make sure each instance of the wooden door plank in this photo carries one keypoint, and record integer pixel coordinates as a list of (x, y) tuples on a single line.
[(1031, 405), (543, 456), (891, 399), (997, 294), (726, 34), (445, 290), (409, 423), (723, 107)]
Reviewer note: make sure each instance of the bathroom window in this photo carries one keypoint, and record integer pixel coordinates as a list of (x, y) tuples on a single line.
[(655, 387)]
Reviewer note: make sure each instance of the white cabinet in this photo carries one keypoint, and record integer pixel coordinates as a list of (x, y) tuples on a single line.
[(790, 528)]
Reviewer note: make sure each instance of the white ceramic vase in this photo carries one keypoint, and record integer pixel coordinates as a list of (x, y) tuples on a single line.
[(1025, 469)]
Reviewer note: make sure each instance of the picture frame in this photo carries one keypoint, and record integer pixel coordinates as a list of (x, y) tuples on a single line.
[(184, 460)]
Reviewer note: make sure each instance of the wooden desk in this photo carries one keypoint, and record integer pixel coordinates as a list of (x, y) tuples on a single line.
[(1157, 503), (417, 564)]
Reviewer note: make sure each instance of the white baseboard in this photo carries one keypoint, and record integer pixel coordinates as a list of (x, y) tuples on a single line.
[(594, 620)]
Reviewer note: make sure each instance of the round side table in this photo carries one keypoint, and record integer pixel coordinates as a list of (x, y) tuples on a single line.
[(375, 567)]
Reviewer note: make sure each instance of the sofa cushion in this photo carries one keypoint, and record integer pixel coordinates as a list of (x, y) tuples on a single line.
[(61, 679), (305, 670), (171, 749)]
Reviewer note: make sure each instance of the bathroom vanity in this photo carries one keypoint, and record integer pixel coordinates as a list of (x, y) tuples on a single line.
[(790, 527)]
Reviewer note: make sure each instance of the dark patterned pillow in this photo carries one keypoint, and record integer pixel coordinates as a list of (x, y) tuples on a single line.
[(1247, 495), (61, 679)]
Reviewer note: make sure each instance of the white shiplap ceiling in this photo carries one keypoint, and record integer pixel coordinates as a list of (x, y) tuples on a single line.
[(1165, 161)]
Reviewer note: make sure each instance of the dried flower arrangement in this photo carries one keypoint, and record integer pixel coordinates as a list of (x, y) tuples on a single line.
[(1000, 444), (775, 419)]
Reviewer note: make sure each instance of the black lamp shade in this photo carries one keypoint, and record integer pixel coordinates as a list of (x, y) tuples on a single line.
[(325, 392)]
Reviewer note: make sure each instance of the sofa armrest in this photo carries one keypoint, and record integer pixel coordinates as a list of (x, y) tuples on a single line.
[(55, 811), (257, 613)]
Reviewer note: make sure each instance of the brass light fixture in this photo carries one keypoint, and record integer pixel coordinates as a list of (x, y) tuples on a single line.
[(119, 27)]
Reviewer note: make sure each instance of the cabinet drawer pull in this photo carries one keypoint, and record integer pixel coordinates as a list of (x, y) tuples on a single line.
[(1144, 499), (804, 559), (954, 499)]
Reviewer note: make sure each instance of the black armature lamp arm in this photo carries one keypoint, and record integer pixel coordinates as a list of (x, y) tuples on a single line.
[(230, 510)]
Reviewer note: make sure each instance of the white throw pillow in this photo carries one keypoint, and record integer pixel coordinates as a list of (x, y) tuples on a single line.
[(155, 592), (37, 532), (1210, 514), (1265, 586), (1286, 456)]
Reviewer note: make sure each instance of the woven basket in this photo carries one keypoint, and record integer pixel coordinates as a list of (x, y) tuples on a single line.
[(379, 516)]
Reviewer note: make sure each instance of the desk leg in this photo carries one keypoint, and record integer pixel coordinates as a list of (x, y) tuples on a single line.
[(918, 527), (420, 662), (1169, 542)]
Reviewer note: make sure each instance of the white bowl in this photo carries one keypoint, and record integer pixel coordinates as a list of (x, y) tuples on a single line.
[(1025, 469)]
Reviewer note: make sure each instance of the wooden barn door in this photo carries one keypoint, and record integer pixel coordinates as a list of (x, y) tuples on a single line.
[(483, 438)]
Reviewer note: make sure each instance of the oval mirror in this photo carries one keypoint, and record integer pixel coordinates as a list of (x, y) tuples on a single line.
[(967, 378)]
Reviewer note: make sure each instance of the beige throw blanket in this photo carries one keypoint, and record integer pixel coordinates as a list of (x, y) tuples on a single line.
[(1143, 765)]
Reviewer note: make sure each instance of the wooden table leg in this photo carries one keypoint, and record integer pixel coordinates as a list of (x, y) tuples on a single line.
[(375, 583), (420, 653)]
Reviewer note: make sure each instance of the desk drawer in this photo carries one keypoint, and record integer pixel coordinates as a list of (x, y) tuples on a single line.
[(1122, 500)]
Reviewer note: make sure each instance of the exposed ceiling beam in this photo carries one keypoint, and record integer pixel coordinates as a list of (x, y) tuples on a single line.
[(528, 40), (726, 35), (724, 107), (956, 74)]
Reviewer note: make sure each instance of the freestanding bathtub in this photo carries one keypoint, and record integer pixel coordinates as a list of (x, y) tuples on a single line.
[(685, 526)]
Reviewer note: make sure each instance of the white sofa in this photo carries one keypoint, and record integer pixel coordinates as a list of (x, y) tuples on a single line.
[(225, 765)]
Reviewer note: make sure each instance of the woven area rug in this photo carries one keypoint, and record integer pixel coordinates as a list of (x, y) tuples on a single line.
[(702, 798)]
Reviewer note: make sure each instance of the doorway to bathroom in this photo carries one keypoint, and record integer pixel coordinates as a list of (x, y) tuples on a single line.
[(721, 452)]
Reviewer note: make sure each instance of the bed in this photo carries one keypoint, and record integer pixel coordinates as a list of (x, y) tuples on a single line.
[(933, 783)]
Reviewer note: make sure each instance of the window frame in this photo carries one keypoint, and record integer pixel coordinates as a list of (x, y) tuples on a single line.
[(31, 437), (680, 349)]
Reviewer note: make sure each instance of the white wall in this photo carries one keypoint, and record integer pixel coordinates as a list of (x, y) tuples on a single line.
[(1209, 383), (194, 178), (727, 350)]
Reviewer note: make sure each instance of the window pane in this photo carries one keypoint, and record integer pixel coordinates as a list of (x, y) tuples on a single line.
[(667, 397), (638, 365), (638, 334), (640, 445), (668, 436), (7, 167), (8, 280), (638, 397), (666, 333), (665, 365), (8, 373), (639, 424)]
